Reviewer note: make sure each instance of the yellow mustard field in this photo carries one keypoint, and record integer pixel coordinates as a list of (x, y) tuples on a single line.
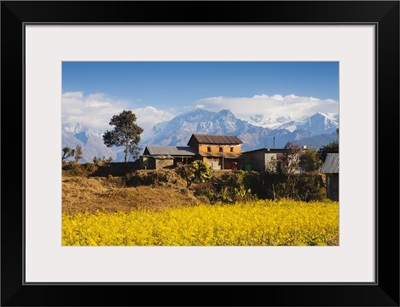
[(260, 223)]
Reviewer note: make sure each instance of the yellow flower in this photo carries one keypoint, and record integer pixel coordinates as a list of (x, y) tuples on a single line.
[(250, 224)]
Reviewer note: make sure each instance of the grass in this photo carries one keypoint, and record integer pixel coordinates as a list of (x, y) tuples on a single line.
[(80, 194)]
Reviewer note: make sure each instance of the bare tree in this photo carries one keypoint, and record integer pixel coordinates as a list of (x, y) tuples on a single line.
[(78, 153)]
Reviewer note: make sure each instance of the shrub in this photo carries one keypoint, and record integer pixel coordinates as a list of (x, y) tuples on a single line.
[(309, 160), (306, 186), (89, 167), (207, 190), (197, 171), (310, 187), (102, 161), (74, 169), (228, 187), (150, 178)]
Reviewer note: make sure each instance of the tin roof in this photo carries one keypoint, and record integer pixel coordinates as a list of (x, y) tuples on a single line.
[(331, 164), (169, 151), (216, 139)]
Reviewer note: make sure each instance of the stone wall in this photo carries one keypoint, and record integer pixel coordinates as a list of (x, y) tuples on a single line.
[(164, 163)]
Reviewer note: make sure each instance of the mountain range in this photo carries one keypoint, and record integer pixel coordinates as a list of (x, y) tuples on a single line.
[(258, 132)]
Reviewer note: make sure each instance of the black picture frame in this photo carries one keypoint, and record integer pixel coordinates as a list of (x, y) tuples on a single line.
[(383, 14)]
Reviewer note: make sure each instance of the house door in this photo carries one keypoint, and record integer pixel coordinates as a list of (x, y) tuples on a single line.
[(214, 164)]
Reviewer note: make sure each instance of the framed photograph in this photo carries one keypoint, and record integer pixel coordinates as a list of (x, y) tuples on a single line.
[(200, 153)]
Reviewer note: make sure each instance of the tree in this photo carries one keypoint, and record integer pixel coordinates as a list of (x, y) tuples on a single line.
[(288, 163), (101, 161), (126, 133), (285, 167), (67, 152), (197, 171), (332, 147), (78, 154), (309, 160)]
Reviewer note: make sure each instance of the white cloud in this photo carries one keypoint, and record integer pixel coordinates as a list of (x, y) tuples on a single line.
[(147, 117), (95, 111), (295, 107)]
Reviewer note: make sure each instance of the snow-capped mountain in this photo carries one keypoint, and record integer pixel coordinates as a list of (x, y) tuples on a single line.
[(178, 130), (318, 140), (313, 131), (319, 123), (272, 122), (91, 141)]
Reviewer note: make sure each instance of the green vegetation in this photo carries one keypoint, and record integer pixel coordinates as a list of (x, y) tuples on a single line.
[(211, 186), (126, 133), (78, 154), (68, 152), (219, 208), (309, 160), (329, 148), (99, 161), (197, 171)]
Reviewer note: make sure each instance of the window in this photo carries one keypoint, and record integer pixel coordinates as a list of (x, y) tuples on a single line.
[(231, 149), (208, 149), (221, 149)]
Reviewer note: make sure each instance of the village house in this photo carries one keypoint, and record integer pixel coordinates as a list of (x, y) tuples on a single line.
[(264, 159), (331, 169), (159, 157), (218, 151)]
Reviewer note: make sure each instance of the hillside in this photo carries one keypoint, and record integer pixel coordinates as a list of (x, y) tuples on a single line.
[(115, 187), (81, 194)]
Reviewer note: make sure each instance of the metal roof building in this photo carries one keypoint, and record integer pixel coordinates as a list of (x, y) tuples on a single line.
[(169, 151), (331, 164), (331, 170), (218, 151), (215, 139)]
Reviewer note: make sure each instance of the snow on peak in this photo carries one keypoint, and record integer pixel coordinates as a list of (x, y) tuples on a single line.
[(76, 128)]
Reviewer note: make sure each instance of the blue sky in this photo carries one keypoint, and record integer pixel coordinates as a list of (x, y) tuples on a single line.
[(169, 88)]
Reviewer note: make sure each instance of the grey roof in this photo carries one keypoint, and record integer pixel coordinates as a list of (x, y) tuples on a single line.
[(216, 139), (169, 151), (331, 164)]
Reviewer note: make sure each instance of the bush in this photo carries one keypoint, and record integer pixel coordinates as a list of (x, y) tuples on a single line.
[(102, 161), (91, 168), (227, 187), (310, 187), (306, 186), (207, 190), (74, 169), (197, 171), (150, 178), (266, 185), (233, 179)]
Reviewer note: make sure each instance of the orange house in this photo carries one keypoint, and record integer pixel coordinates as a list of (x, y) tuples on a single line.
[(218, 151)]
